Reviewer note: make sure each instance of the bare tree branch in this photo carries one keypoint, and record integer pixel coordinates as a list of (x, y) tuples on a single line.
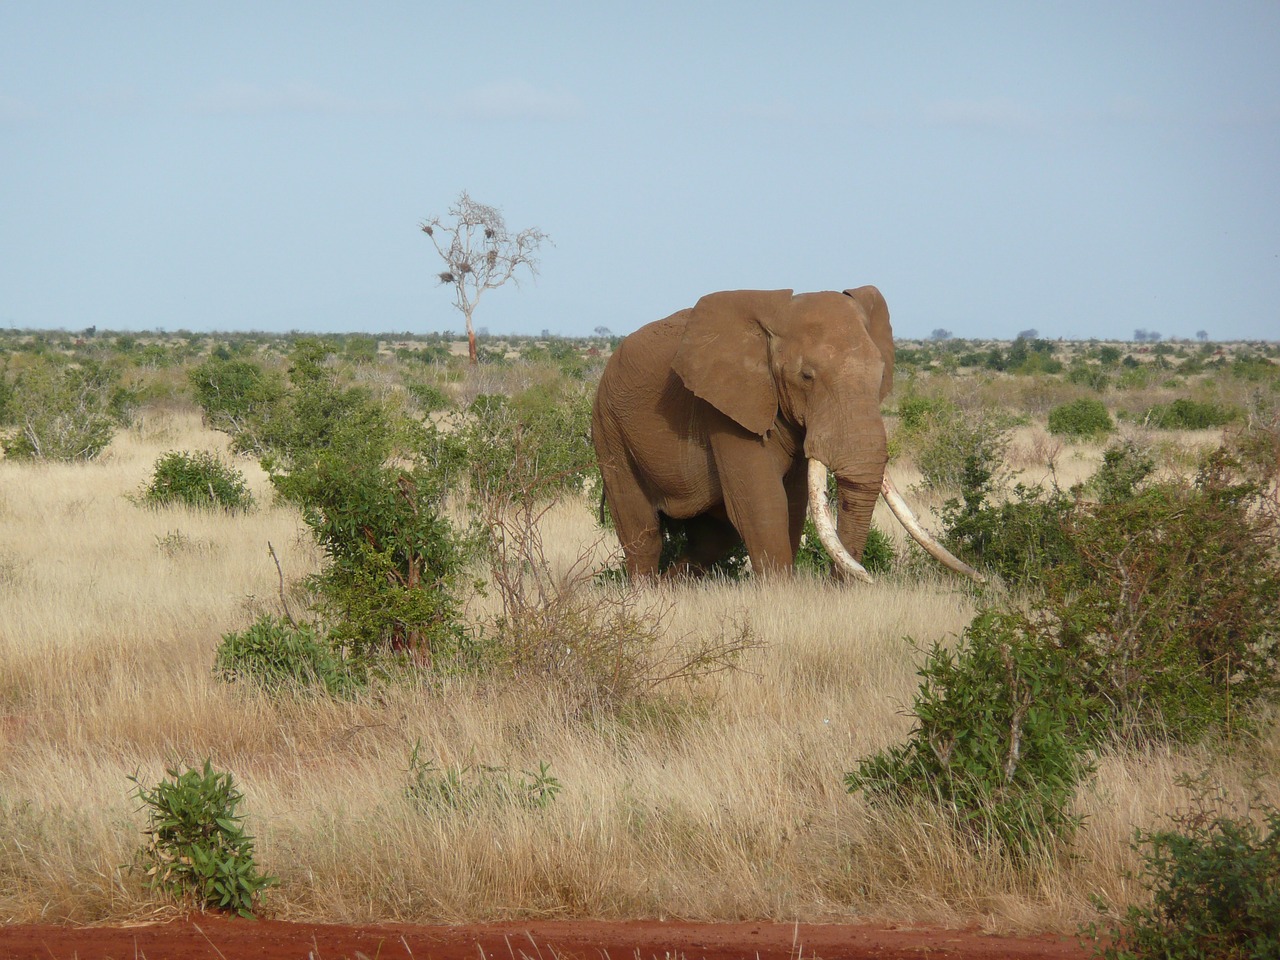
[(480, 254)]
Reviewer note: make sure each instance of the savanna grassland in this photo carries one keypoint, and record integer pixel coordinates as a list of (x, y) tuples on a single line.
[(708, 793)]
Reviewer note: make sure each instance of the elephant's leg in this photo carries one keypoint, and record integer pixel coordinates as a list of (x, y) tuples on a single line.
[(635, 519), (755, 499)]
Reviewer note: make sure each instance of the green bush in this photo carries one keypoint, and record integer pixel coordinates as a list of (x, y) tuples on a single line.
[(1022, 538), (278, 656), (1170, 605), (992, 747), (198, 479), (393, 559), (196, 848), (1085, 417), (234, 393), (1214, 882), (943, 439), (1165, 594), (64, 411), (428, 397), (537, 443), (1184, 414)]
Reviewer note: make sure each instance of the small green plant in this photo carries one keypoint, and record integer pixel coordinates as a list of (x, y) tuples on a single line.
[(196, 847), (469, 786), (199, 480), (1084, 417), (1185, 414), (278, 656), (992, 748), (1214, 882)]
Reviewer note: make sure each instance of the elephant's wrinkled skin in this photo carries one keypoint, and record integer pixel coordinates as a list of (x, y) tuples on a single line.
[(709, 416)]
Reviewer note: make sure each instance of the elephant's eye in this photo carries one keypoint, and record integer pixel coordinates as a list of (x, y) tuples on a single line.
[(806, 376)]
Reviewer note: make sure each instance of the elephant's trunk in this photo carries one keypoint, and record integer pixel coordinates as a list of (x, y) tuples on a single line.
[(842, 558), (821, 514)]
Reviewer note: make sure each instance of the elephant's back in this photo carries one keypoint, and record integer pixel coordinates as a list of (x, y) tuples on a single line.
[(637, 372)]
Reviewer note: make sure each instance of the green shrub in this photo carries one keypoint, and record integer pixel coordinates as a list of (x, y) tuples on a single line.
[(393, 559), (278, 656), (198, 479), (428, 397), (1164, 594), (1184, 414), (943, 439), (1170, 605), (537, 443), (1214, 882), (64, 411), (234, 393), (1084, 417), (1022, 538), (196, 848), (992, 747)]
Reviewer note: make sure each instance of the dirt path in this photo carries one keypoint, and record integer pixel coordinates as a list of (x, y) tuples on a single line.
[(217, 938)]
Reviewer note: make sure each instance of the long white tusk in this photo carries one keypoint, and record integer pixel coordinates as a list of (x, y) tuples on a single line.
[(908, 519), (821, 513)]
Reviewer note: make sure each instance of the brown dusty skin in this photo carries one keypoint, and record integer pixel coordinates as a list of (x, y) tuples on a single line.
[(201, 937)]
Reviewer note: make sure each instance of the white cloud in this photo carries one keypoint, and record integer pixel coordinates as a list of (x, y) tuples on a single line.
[(514, 100)]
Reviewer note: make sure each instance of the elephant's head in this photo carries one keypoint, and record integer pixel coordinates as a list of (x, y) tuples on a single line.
[(819, 362)]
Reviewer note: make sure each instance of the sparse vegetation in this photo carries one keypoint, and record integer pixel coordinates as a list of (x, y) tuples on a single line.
[(700, 730)]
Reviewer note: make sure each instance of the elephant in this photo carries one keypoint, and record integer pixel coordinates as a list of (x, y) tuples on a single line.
[(729, 414)]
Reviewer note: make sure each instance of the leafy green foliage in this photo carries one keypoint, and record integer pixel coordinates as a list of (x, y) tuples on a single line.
[(1083, 417), (198, 479), (393, 559), (234, 394), (537, 443), (1214, 882), (992, 745), (1171, 605), (278, 656), (1186, 414), (64, 411), (469, 787), (1165, 594), (944, 439), (1022, 539), (196, 845)]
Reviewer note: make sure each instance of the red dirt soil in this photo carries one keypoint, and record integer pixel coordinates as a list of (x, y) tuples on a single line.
[(219, 938)]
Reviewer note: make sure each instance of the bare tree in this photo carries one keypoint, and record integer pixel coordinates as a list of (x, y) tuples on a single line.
[(480, 254)]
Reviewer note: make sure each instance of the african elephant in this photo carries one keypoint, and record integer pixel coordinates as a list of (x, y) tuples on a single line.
[(722, 414)]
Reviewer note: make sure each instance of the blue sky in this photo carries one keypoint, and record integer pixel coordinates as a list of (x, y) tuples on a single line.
[(1083, 168)]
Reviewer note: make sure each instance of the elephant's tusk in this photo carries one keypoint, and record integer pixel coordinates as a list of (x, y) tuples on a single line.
[(821, 514), (908, 519)]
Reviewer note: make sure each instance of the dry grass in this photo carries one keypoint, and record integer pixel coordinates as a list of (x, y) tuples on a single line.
[(724, 802)]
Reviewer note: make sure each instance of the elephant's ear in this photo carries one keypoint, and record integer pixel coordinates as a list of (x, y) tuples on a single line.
[(724, 354), (872, 301)]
